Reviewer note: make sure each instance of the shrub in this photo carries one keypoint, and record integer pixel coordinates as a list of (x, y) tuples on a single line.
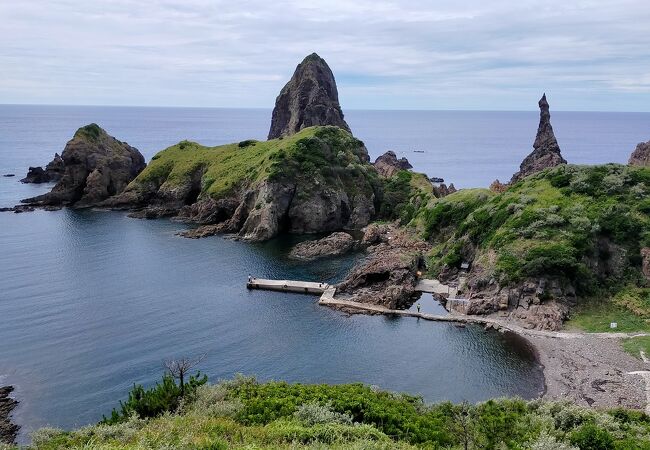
[(314, 413), (591, 437), (247, 143), (163, 397)]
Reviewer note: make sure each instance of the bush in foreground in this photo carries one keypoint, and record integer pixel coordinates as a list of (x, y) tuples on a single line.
[(243, 413)]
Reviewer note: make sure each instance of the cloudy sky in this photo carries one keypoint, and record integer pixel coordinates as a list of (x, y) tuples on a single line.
[(457, 54)]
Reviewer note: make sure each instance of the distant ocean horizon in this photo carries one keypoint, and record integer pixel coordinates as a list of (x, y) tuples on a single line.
[(467, 148)]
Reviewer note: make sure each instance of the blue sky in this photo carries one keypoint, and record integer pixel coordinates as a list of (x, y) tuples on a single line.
[(461, 54)]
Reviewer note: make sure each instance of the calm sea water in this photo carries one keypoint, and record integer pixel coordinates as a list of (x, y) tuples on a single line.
[(91, 302)]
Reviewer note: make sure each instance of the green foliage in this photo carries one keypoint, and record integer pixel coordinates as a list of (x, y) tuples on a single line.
[(247, 143), (581, 225), (591, 437), (165, 396), (91, 131), (311, 159), (634, 346), (354, 417)]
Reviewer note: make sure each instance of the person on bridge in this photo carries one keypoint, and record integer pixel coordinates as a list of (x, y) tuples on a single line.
[(418, 305)]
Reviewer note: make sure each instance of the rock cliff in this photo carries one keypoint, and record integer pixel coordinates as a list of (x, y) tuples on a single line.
[(388, 165), (52, 172), (389, 274), (546, 151), (8, 430), (641, 155), (317, 180), (95, 167), (310, 98)]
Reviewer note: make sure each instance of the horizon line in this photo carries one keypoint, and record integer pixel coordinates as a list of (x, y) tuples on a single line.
[(347, 109)]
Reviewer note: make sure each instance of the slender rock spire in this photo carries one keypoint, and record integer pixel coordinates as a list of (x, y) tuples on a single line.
[(546, 151)]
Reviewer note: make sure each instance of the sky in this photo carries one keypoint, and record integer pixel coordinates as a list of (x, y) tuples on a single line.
[(590, 55)]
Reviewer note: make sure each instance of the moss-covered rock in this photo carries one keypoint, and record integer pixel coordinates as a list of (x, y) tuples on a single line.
[(316, 180)]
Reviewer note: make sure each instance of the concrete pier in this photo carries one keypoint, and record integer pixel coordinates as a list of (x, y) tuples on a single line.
[(299, 287)]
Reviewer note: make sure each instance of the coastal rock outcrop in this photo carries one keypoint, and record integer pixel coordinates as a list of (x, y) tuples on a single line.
[(96, 166), (53, 172), (8, 430), (310, 98), (335, 244), (314, 181), (388, 165), (645, 257), (389, 274), (641, 155), (546, 151)]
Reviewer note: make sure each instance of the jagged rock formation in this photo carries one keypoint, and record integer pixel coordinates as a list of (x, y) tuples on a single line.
[(641, 155), (310, 98), (96, 166), (546, 151), (53, 172), (388, 165), (335, 244), (443, 190), (8, 430), (498, 186), (389, 275)]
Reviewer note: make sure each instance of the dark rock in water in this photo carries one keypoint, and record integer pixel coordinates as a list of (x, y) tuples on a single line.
[(390, 273), (96, 166), (18, 209), (546, 151), (53, 172), (9, 175), (309, 98), (8, 430), (388, 165), (333, 245), (641, 155), (437, 180)]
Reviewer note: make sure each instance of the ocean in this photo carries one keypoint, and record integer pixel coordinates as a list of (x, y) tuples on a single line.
[(92, 302)]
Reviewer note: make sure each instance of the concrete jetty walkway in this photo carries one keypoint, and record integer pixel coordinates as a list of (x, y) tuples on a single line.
[(300, 287), (327, 298)]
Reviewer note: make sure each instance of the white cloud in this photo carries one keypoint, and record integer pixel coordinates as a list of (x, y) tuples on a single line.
[(385, 53)]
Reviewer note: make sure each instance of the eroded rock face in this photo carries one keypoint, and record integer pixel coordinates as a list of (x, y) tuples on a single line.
[(641, 155), (546, 151), (96, 166), (335, 244), (53, 172), (8, 430), (389, 275), (310, 98), (443, 190), (388, 165), (645, 255)]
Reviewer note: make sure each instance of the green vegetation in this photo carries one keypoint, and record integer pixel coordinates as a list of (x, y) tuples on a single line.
[(313, 154), (404, 195), (634, 346), (163, 397), (581, 225), (595, 315), (245, 414), (91, 131)]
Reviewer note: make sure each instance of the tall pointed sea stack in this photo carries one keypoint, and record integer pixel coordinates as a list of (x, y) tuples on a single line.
[(309, 98), (546, 151)]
